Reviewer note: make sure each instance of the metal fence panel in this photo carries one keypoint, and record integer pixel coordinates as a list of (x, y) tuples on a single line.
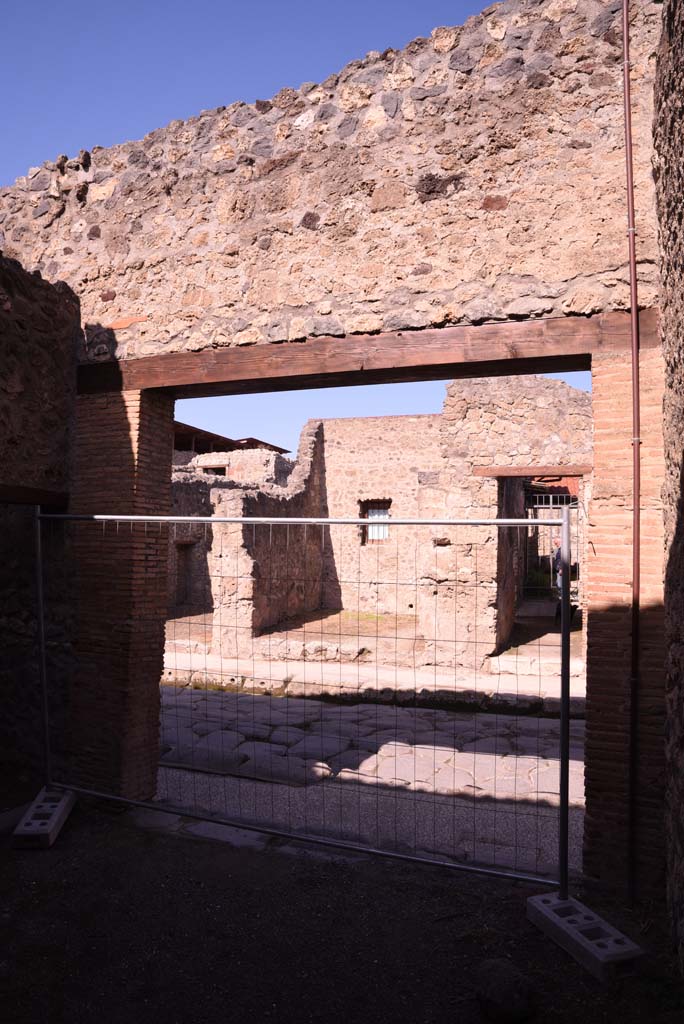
[(386, 695)]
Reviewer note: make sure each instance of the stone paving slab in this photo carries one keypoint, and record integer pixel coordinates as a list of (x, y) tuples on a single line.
[(473, 786), (436, 826)]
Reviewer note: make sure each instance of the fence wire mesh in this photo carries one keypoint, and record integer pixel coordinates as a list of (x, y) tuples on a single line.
[(393, 691)]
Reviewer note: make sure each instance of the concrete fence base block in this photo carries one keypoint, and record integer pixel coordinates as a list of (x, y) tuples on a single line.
[(595, 944), (43, 821)]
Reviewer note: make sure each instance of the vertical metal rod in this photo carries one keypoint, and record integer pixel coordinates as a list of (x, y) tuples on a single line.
[(42, 660), (564, 810), (634, 680)]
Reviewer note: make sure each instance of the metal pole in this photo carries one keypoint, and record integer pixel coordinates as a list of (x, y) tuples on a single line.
[(634, 681), (564, 809), (295, 521), (42, 661)]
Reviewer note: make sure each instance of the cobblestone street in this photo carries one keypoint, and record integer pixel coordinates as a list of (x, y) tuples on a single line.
[(475, 787)]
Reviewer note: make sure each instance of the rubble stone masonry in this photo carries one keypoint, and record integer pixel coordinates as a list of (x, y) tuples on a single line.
[(476, 175), (669, 167), (39, 332), (459, 583), (39, 327)]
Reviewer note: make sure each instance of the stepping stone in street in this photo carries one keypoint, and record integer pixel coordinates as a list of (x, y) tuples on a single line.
[(287, 734), (320, 746), (348, 759), (253, 749), (276, 768), (317, 770), (205, 728), (251, 729)]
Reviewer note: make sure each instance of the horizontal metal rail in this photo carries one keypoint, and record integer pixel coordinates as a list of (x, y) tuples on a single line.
[(295, 521)]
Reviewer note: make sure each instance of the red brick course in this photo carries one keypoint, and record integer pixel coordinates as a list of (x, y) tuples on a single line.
[(122, 466), (609, 626)]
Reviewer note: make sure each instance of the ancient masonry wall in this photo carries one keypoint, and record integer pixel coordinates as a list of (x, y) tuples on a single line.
[(461, 583), (39, 333), (251, 466), (191, 567), (289, 560), (476, 175), (390, 458), (39, 324), (669, 130), (607, 827), (521, 421), (247, 578)]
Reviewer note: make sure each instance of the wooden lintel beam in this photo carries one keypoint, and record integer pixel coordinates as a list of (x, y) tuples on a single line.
[(531, 471), (529, 346)]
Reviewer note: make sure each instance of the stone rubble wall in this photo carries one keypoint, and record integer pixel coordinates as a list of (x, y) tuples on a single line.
[(521, 421), (190, 545), (669, 168), (461, 584), (289, 560), (39, 326), (245, 578), (21, 723), (253, 466), (369, 459), (39, 334), (476, 175)]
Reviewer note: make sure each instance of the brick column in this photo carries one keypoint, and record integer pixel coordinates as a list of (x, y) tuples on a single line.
[(609, 625), (122, 465)]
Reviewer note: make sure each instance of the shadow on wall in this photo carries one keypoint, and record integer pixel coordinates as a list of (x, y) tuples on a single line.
[(190, 546), (233, 582), (608, 836), (510, 559), (39, 328), (294, 569), (121, 465), (674, 702), (22, 741)]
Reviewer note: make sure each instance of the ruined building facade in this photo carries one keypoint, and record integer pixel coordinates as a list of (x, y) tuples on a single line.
[(461, 584), (475, 175), (476, 179)]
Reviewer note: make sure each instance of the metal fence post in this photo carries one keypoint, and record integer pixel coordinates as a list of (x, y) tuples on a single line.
[(42, 660), (566, 612)]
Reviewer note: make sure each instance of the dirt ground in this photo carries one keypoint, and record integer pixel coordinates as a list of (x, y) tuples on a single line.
[(120, 924)]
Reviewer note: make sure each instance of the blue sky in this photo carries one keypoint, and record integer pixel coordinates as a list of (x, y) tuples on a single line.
[(280, 417), (77, 74)]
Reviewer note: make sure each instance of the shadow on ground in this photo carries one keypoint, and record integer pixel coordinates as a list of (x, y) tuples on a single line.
[(118, 924)]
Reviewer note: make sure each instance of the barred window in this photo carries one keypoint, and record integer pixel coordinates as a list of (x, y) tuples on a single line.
[(378, 513)]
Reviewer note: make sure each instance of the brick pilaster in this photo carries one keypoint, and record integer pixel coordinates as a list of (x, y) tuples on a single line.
[(609, 625), (122, 465)]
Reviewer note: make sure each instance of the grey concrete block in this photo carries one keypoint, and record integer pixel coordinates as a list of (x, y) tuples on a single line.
[(590, 940), (43, 821)]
